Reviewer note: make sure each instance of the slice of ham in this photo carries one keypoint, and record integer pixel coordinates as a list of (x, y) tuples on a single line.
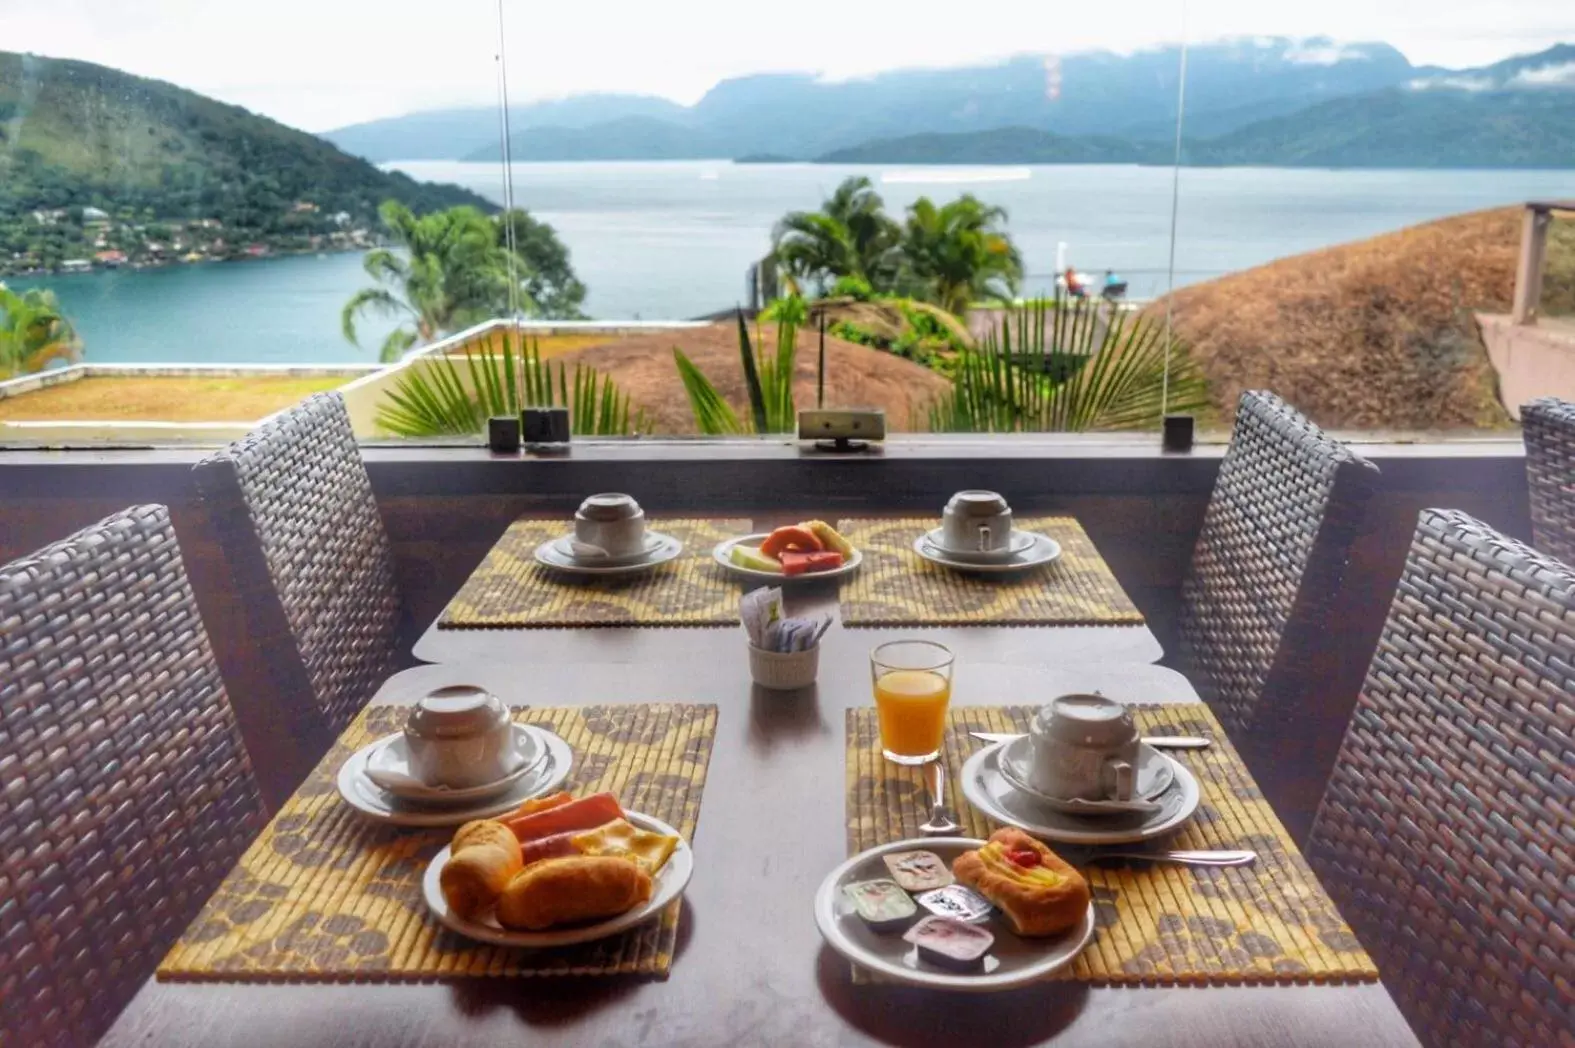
[(587, 813), (554, 847)]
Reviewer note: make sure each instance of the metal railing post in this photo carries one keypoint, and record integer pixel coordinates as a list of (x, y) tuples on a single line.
[(1528, 274)]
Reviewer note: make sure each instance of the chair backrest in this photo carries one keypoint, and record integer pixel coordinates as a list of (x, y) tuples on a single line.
[(125, 790), (1549, 426), (1447, 835), (1266, 577), (293, 509)]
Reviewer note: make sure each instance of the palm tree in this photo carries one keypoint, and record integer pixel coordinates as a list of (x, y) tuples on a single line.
[(34, 332), (957, 253), (447, 273), (850, 236)]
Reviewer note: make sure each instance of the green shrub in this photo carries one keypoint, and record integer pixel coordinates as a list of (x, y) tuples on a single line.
[(856, 288)]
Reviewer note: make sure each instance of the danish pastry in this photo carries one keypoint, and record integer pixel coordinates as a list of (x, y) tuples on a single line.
[(1040, 893)]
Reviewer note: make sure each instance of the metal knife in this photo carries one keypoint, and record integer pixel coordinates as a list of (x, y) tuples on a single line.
[(1159, 742)]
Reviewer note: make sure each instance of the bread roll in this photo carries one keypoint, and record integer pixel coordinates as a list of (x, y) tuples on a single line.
[(485, 857), (484, 831), (567, 890), (1040, 893)]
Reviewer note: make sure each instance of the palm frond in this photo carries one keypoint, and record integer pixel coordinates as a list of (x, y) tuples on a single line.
[(1068, 367), (713, 416), (432, 398), (757, 393)]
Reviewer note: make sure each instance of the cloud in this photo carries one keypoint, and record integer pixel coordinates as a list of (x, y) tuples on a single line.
[(1324, 53), (1458, 83), (1559, 74)]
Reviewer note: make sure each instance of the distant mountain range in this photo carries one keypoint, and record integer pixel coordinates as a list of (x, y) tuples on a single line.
[(1308, 102)]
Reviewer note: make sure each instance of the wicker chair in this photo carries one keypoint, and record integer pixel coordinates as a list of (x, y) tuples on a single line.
[(1549, 426), (313, 571), (127, 793), (1257, 634), (1446, 832)]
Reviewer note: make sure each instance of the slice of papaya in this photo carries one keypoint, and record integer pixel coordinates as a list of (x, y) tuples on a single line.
[(790, 539)]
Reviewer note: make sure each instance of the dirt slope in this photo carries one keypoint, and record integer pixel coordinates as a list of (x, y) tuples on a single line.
[(1376, 334), (856, 376)]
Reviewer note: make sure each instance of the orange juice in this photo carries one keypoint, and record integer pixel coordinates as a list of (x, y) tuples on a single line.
[(911, 707)]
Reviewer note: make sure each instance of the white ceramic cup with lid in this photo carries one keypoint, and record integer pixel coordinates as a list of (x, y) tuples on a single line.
[(460, 736), (1084, 747), (976, 522), (613, 521)]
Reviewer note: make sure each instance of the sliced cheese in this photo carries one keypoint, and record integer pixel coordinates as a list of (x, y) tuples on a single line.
[(623, 839)]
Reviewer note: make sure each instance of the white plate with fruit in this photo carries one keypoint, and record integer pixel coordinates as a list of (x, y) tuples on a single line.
[(796, 553), (564, 871)]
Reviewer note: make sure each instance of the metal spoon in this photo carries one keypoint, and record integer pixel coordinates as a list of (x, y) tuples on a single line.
[(1159, 742), (941, 823), (1182, 858)]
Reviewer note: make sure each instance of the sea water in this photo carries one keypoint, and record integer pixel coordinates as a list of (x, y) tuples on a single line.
[(673, 239)]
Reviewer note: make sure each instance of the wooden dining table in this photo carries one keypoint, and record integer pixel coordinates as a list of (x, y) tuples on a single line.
[(750, 967)]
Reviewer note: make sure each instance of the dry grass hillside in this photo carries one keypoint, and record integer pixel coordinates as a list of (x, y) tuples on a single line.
[(1377, 334), (242, 398), (856, 376)]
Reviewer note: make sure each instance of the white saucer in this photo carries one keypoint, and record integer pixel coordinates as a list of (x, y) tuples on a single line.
[(725, 547), (670, 882), (650, 542), (380, 805), (554, 554), (393, 754), (1017, 542), (1154, 775), (990, 791), (1043, 550), (1012, 960)]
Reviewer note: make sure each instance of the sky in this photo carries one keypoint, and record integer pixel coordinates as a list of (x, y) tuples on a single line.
[(321, 64)]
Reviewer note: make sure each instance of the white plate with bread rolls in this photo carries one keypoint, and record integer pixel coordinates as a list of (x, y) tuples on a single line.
[(489, 886), (1026, 926)]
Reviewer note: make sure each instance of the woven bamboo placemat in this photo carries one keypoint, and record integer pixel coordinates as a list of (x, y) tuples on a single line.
[(325, 895), (510, 590), (897, 587), (1270, 922)]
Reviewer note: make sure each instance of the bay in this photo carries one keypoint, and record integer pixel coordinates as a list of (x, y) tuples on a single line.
[(673, 239)]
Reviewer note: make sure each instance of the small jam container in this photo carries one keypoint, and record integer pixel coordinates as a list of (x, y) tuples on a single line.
[(950, 943), (918, 871), (460, 736), (881, 904), (957, 901)]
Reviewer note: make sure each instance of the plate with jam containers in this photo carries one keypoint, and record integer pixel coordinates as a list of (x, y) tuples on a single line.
[(897, 910)]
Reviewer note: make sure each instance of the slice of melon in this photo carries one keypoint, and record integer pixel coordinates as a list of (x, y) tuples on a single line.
[(751, 558)]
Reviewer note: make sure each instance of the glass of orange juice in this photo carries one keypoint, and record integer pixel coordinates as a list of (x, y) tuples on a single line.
[(913, 686)]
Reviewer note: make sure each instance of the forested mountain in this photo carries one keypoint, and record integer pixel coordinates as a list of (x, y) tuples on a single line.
[(1410, 127), (1398, 127), (74, 135)]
